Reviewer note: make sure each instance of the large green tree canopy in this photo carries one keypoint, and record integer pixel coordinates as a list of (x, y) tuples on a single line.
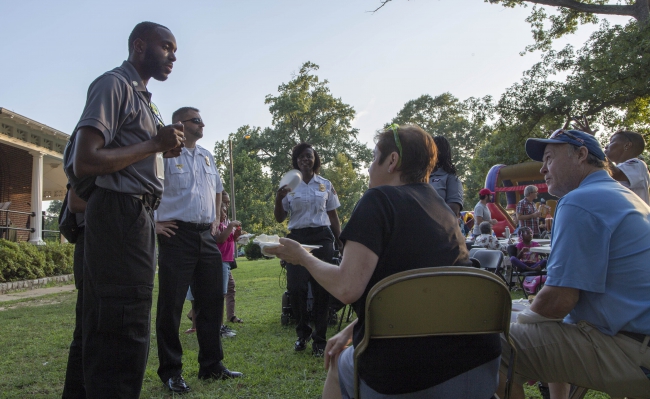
[(304, 110), (462, 123)]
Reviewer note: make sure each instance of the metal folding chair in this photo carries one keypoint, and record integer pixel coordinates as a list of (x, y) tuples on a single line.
[(437, 301)]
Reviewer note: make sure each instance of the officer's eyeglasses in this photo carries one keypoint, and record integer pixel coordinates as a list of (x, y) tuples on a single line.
[(193, 120)]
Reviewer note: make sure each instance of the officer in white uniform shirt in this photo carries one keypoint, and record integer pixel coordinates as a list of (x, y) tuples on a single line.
[(188, 254), (624, 147), (313, 219)]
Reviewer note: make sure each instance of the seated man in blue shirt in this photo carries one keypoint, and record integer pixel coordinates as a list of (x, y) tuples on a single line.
[(590, 324)]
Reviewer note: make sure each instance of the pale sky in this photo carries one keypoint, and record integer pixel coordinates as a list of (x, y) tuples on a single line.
[(231, 54)]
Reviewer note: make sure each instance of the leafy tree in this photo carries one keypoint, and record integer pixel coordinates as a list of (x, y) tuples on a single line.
[(606, 85), (606, 88), (305, 111), (572, 13), (349, 184), (463, 123), (52, 221), (254, 192)]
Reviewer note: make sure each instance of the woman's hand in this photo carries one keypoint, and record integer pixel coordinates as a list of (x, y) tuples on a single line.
[(337, 344), (290, 251), (282, 192)]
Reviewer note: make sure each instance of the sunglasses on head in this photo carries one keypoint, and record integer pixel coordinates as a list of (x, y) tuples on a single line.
[(561, 132), (194, 120), (394, 128)]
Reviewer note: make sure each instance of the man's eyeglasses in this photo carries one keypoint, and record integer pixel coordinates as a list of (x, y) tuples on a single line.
[(561, 132), (394, 128), (194, 120)]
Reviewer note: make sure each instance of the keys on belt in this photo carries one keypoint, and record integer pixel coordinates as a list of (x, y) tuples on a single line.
[(149, 200)]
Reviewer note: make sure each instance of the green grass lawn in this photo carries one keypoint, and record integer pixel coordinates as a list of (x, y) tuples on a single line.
[(35, 335)]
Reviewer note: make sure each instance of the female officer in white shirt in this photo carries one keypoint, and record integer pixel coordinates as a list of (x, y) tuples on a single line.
[(312, 220)]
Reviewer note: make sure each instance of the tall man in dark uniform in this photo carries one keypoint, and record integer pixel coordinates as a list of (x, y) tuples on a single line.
[(188, 254), (118, 138)]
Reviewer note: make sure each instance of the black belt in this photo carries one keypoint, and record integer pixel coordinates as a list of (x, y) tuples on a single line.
[(149, 200), (310, 229), (193, 226), (635, 336)]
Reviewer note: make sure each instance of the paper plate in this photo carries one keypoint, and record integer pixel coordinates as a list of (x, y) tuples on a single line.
[(244, 238), (292, 179)]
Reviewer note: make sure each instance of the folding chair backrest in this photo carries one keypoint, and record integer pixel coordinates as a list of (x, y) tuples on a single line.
[(490, 259), (473, 251), (450, 300)]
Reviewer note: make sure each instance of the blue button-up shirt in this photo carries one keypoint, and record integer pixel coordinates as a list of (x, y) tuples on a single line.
[(191, 185)]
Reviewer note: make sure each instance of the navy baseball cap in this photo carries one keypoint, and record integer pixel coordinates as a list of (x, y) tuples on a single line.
[(535, 147)]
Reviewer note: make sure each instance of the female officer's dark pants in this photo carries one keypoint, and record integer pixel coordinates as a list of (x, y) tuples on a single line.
[(297, 279)]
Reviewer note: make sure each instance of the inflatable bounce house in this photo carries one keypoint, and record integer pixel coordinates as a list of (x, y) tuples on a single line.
[(511, 180)]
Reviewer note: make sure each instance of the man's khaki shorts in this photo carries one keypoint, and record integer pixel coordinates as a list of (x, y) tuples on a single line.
[(581, 355)]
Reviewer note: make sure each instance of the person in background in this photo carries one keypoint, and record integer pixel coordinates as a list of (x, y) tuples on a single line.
[(487, 239), (590, 323), (382, 240), (188, 254), (525, 260), (481, 211), (444, 179), (624, 147), (527, 214), (313, 220), (230, 293), (227, 234)]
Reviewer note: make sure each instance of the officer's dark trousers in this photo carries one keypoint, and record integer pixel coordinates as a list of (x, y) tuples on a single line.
[(189, 257), (119, 268), (73, 388), (297, 279)]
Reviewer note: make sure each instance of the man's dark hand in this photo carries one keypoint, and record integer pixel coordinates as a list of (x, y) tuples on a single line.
[(170, 137), (173, 153)]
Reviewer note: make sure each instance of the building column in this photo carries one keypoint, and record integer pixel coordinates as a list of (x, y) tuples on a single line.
[(37, 198)]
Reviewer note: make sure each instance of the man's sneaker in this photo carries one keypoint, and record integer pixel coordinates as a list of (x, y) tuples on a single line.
[(226, 332)]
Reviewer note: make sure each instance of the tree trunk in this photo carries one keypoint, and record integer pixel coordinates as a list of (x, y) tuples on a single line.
[(640, 10)]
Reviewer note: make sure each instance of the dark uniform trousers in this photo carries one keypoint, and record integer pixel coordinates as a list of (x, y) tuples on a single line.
[(73, 388), (298, 277), (189, 257), (119, 269)]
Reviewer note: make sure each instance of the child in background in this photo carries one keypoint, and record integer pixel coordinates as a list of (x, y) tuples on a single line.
[(227, 234), (525, 260), (487, 239)]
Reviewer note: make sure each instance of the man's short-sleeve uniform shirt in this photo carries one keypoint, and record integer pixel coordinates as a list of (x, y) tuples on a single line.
[(191, 184), (309, 203), (637, 173), (124, 118), (448, 186)]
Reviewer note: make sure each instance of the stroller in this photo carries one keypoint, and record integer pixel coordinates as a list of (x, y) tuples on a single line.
[(287, 316)]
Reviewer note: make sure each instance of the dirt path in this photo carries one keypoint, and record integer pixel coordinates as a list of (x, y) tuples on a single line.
[(37, 292)]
